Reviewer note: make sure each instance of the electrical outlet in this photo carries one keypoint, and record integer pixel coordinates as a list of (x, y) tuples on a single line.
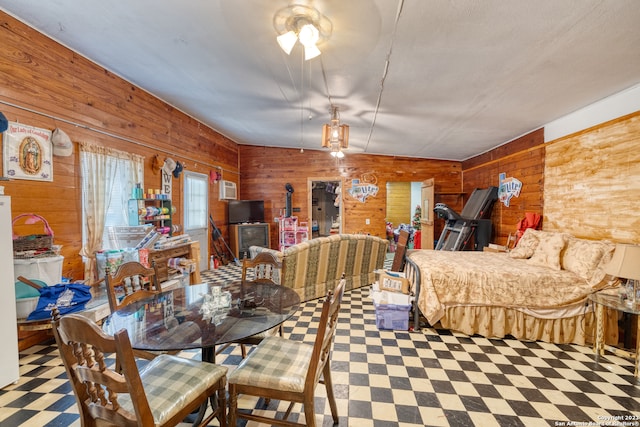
[(367, 221)]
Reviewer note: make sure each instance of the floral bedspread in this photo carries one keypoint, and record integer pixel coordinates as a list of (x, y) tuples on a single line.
[(491, 279)]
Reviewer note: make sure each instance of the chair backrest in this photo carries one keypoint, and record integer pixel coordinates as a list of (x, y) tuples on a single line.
[(131, 282), (97, 388), (401, 249), (266, 268), (325, 335)]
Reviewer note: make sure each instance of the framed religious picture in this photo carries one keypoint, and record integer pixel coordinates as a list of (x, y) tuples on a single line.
[(27, 153)]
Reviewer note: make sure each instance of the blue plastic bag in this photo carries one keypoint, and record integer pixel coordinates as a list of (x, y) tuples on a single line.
[(68, 297)]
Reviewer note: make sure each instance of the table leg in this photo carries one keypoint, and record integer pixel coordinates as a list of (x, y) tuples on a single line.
[(598, 345), (637, 349)]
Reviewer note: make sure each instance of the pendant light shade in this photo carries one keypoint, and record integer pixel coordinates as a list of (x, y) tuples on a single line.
[(335, 136)]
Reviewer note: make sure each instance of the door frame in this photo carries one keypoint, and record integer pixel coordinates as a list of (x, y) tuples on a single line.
[(204, 251), (310, 181)]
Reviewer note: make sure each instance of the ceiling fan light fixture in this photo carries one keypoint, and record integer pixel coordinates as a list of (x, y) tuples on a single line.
[(308, 35), (287, 41), (311, 52), (301, 23)]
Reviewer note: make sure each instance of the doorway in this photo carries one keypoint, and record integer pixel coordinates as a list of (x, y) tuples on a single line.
[(402, 200), (325, 206), (196, 209)]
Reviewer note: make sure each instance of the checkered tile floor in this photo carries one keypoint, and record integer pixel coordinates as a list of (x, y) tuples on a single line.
[(399, 378)]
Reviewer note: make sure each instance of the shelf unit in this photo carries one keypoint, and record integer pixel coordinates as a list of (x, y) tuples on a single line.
[(291, 232), (157, 212)]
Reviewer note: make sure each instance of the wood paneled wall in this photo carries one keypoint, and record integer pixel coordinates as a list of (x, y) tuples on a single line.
[(47, 85), (265, 171), (524, 159), (592, 182)]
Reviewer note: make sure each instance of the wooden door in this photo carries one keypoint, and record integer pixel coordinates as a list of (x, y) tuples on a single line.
[(426, 221)]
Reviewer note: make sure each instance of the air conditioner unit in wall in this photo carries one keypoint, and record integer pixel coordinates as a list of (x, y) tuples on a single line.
[(228, 190)]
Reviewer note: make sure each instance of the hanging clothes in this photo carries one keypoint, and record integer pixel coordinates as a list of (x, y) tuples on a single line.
[(530, 220)]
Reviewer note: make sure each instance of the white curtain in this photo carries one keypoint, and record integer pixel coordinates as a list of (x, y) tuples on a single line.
[(103, 170)]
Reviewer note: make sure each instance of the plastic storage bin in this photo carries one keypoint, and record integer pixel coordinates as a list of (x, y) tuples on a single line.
[(392, 316), (47, 269)]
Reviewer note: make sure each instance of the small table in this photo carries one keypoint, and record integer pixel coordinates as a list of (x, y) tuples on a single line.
[(603, 299), (174, 320)]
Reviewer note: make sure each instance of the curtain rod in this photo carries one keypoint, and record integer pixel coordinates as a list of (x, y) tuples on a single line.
[(122, 138)]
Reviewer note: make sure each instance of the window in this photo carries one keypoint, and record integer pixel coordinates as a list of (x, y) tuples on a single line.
[(107, 179), (117, 210), (196, 201)]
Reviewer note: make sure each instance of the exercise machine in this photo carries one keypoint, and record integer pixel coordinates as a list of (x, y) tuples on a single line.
[(475, 219)]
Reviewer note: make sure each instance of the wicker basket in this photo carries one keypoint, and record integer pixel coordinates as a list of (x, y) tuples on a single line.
[(33, 242)]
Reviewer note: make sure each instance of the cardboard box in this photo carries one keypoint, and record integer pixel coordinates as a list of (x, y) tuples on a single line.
[(393, 282), (494, 248)]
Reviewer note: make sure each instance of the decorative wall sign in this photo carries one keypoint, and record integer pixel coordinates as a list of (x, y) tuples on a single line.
[(166, 187), (361, 189), (509, 187), (27, 153)]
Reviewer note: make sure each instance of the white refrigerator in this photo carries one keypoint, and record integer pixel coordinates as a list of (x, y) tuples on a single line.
[(9, 373)]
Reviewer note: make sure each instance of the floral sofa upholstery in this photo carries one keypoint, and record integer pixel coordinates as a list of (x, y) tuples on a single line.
[(314, 267)]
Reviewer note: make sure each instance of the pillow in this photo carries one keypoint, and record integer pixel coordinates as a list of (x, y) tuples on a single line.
[(582, 256), (521, 252), (599, 278), (547, 253), (528, 240)]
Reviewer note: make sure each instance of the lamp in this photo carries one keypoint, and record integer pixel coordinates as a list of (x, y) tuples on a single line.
[(301, 23), (625, 264), (334, 135)]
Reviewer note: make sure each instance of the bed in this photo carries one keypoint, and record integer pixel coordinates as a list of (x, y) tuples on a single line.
[(537, 291)]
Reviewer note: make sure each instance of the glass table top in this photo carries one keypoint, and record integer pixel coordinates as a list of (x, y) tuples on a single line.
[(613, 300), (203, 316)]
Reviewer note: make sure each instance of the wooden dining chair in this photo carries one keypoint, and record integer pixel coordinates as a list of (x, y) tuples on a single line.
[(283, 369), (401, 250), (266, 268), (162, 393), (131, 282)]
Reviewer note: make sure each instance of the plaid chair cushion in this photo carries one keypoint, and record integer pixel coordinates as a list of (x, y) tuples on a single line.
[(276, 363), (169, 381)]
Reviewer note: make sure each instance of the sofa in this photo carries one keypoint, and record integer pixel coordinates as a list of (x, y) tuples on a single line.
[(314, 267)]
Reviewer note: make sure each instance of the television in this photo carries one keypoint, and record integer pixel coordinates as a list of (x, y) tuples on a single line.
[(245, 211), (243, 236)]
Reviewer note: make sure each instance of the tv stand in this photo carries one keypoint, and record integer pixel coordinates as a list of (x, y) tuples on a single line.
[(243, 236)]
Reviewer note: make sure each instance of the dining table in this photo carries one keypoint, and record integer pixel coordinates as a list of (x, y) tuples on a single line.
[(203, 316)]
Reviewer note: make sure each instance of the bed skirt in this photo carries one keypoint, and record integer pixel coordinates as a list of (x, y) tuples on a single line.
[(499, 322)]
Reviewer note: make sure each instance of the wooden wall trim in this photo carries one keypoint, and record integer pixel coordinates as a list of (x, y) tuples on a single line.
[(505, 158)]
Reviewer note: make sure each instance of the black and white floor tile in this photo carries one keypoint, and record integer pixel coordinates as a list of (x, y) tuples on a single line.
[(398, 378)]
